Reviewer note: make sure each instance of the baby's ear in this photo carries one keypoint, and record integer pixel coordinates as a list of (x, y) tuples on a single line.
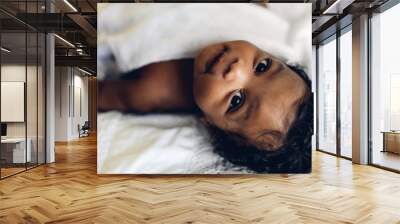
[(205, 121), (269, 141)]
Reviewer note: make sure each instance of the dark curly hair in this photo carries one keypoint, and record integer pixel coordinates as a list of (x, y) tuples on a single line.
[(294, 156)]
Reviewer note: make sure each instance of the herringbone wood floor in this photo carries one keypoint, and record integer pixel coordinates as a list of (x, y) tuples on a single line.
[(70, 191)]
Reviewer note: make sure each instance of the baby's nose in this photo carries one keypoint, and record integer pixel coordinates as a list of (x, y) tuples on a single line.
[(233, 70)]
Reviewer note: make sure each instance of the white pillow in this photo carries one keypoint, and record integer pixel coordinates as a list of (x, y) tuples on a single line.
[(139, 34)]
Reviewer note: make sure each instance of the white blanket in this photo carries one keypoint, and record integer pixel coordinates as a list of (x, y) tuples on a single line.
[(133, 35)]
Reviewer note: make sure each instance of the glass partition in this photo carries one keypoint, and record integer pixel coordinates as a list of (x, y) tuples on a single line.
[(22, 77), (13, 105)]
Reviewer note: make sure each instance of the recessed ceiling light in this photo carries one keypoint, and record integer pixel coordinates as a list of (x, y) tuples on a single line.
[(70, 5), (64, 40), (84, 71), (337, 7), (5, 50)]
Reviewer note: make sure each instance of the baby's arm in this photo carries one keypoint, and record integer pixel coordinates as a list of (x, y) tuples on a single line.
[(126, 96), (111, 95), (164, 86)]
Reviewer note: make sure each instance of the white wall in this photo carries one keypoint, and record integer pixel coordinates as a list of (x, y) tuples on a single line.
[(62, 81), (12, 73), (80, 89), (70, 83)]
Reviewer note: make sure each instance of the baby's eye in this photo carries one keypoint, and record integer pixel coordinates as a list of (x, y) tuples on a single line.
[(237, 101), (263, 65)]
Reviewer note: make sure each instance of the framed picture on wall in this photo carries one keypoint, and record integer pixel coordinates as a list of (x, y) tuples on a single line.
[(204, 88), (12, 100)]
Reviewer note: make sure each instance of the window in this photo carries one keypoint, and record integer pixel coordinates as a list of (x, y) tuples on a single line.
[(327, 96), (346, 93), (385, 89)]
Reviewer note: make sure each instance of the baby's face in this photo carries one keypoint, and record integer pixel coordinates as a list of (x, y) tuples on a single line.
[(245, 90)]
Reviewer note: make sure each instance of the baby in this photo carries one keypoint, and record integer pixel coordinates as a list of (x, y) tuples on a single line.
[(258, 110)]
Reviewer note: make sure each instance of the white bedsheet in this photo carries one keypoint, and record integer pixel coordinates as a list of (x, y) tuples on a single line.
[(167, 144), (138, 34)]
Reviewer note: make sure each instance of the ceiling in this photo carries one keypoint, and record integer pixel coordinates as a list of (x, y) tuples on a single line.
[(76, 24)]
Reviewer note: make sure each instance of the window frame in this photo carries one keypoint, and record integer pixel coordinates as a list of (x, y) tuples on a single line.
[(334, 37)]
